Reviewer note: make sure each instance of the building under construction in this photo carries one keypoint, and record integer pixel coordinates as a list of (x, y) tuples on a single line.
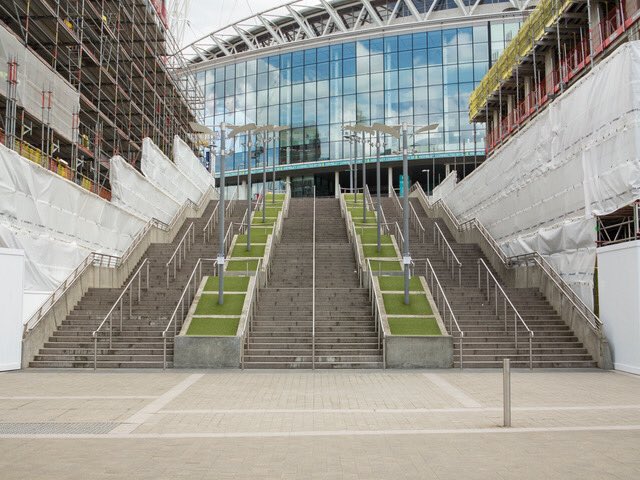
[(81, 81)]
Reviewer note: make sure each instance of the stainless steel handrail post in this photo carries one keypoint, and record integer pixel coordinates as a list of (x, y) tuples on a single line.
[(313, 291)]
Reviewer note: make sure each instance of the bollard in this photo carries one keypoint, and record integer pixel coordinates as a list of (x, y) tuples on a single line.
[(506, 392)]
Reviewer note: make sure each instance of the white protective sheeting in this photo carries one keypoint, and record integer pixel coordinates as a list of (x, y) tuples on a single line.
[(164, 174), (132, 191), (34, 77), (445, 187), (12, 268), (578, 158), (56, 222), (190, 165)]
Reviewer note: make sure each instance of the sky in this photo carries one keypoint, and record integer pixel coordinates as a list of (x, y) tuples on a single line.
[(206, 16)]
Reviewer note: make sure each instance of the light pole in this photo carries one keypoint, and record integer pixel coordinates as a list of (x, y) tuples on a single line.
[(248, 128), (427, 170), (221, 210), (364, 181), (276, 129), (402, 132), (348, 137), (264, 130)]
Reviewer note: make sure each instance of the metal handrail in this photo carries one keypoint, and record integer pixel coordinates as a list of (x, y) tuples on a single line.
[(441, 297), (184, 245), (191, 285), (396, 203), (313, 290), (447, 253), (506, 301), (228, 211), (211, 223), (398, 234), (228, 238), (376, 311), (253, 297), (119, 301), (417, 224), (585, 312)]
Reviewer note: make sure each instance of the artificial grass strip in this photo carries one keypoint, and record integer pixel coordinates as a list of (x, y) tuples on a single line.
[(208, 305), (357, 220), (213, 326), (257, 220), (424, 326), (240, 249), (270, 211), (386, 251), (258, 235), (242, 265), (388, 266), (418, 304), (370, 235), (231, 284), (396, 283)]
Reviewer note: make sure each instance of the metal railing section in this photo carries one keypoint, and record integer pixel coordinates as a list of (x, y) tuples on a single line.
[(120, 303), (585, 312), (396, 201), (248, 324), (183, 305), (447, 252), (490, 280), (417, 224), (211, 224), (313, 288), (444, 307), (228, 211), (180, 253), (376, 311)]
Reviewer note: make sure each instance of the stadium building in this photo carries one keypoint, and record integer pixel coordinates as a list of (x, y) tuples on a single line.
[(317, 67)]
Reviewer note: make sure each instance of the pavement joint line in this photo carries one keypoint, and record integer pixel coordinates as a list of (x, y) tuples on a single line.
[(79, 397), (146, 412), (453, 391), (244, 411), (330, 433)]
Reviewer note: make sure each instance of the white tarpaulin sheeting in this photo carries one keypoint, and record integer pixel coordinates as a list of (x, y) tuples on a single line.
[(56, 222), (34, 77), (578, 158), (190, 165), (132, 191), (164, 174)]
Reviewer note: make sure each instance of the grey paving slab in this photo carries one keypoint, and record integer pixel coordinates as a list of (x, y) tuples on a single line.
[(334, 424)]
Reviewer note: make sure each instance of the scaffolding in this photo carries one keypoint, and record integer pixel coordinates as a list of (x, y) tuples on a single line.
[(118, 56), (558, 44)]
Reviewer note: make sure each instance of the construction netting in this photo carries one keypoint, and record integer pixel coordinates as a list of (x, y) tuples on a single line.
[(577, 159), (37, 86), (56, 222), (133, 191), (164, 174), (190, 165)]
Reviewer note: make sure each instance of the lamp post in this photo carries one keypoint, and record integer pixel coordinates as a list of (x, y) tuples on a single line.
[(248, 128), (423, 171), (276, 130), (350, 140), (401, 131), (264, 130)]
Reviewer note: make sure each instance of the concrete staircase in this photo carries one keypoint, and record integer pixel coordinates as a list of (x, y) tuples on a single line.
[(139, 344), (486, 342), (282, 329)]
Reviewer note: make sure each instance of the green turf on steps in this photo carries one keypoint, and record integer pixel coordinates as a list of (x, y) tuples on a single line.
[(386, 251), (242, 265), (257, 220), (425, 326), (231, 284), (270, 211), (240, 249), (386, 266), (396, 283), (370, 235), (208, 304), (418, 304), (258, 235), (213, 326)]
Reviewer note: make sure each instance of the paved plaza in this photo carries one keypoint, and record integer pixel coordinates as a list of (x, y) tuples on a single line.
[(324, 424)]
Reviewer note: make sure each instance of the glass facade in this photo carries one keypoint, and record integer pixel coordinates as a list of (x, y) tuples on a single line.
[(419, 78)]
